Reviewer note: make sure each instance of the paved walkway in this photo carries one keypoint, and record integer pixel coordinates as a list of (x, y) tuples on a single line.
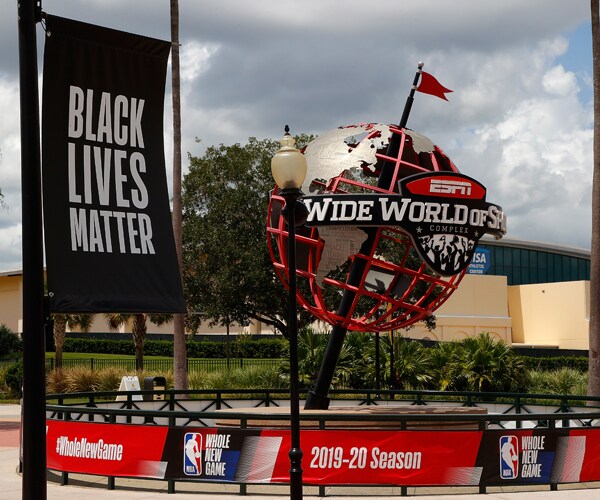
[(85, 487)]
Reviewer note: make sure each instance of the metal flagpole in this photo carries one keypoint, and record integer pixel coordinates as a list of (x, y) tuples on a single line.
[(411, 96), (34, 391)]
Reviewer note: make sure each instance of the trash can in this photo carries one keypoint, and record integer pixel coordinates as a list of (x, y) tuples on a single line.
[(154, 384)]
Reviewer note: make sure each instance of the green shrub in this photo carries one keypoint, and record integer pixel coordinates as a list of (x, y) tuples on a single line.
[(564, 381), (158, 348), (243, 347), (13, 378), (110, 378), (479, 363), (218, 380), (81, 379), (197, 380), (205, 349), (412, 365), (356, 368), (5, 391), (10, 342), (99, 346), (257, 377), (311, 346), (579, 363), (56, 381)]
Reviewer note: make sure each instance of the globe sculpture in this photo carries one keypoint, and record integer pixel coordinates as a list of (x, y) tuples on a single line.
[(363, 279)]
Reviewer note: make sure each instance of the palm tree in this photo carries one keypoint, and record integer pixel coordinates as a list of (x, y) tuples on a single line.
[(412, 365), (479, 363), (61, 322), (138, 329), (179, 348), (594, 335)]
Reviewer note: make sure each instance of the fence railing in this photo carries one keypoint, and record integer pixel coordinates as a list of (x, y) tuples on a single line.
[(155, 365), (158, 365), (507, 403)]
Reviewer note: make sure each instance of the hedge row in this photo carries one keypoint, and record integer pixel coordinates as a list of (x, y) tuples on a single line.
[(260, 349), (244, 348), (554, 363)]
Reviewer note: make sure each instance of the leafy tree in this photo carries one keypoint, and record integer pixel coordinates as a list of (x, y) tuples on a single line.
[(61, 322), (138, 329), (412, 364), (311, 348), (444, 371), (483, 364), (228, 274)]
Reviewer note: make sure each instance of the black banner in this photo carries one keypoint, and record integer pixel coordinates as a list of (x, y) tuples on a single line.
[(108, 233)]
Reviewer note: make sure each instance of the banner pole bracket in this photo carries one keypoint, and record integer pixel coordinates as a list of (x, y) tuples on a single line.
[(39, 15)]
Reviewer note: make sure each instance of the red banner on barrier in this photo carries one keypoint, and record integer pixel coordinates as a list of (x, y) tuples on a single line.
[(383, 457), (106, 449), (332, 457)]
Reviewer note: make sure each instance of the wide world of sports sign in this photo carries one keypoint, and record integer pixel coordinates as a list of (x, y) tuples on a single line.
[(445, 215)]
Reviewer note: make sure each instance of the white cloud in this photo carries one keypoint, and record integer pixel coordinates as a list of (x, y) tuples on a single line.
[(195, 59), (516, 121), (538, 159), (559, 82)]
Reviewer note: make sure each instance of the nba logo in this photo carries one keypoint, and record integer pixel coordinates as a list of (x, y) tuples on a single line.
[(509, 457), (192, 454)]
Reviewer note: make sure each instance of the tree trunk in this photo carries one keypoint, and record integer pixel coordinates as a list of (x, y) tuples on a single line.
[(228, 347), (594, 334), (179, 348), (138, 331), (60, 329)]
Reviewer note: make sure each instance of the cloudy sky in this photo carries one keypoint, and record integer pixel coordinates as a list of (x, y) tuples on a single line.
[(519, 119)]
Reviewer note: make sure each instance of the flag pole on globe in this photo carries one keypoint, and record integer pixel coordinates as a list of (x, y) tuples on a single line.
[(317, 398), (428, 85)]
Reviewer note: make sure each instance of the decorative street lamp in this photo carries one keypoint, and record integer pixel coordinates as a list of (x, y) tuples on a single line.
[(288, 167)]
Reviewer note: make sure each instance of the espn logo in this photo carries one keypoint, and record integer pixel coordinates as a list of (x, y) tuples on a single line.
[(440, 186), (455, 186)]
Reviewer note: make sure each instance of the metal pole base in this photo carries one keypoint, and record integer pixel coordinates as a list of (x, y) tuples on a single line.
[(316, 401)]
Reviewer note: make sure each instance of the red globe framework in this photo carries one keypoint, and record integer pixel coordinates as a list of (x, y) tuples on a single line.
[(397, 288)]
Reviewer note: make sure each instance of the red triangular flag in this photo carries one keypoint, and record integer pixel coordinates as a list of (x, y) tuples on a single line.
[(429, 85)]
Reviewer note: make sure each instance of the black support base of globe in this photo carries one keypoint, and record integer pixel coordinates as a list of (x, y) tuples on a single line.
[(316, 401)]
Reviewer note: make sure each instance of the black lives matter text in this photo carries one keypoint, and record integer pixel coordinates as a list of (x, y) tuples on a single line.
[(107, 193)]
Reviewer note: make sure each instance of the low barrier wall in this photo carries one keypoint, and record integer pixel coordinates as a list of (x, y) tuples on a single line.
[(521, 440)]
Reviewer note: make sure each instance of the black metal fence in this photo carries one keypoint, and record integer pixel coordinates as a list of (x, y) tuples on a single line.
[(156, 365)]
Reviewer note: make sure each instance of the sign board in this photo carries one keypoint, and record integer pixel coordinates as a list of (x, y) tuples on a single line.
[(481, 261), (445, 215), (335, 457), (130, 383), (107, 220)]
